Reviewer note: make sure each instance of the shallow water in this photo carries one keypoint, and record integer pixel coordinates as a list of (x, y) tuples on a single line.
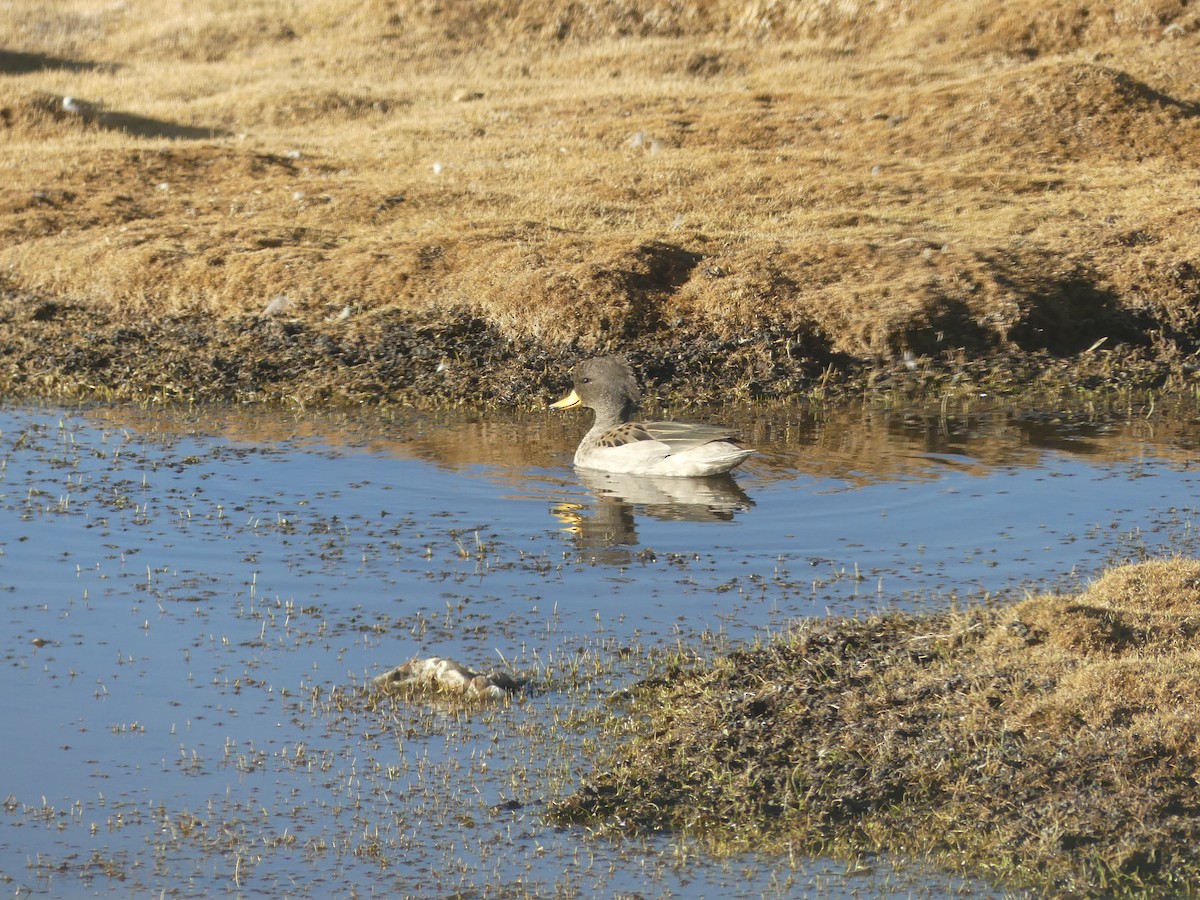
[(185, 592)]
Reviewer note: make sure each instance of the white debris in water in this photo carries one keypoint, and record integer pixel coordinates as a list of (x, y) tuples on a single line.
[(440, 675)]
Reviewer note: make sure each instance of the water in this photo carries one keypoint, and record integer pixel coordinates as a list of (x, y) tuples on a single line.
[(193, 601)]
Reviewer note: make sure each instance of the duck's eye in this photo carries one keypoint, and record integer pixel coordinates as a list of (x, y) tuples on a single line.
[(586, 381)]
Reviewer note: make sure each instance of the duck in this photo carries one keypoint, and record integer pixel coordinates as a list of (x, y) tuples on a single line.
[(618, 444)]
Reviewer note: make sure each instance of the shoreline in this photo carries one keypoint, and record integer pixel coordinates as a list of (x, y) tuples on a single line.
[(56, 349)]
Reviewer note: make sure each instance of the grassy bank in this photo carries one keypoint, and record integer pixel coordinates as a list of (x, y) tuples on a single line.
[(266, 200), (1051, 744)]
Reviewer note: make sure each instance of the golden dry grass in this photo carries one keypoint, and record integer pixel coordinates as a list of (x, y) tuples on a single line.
[(1049, 744), (830, 181)]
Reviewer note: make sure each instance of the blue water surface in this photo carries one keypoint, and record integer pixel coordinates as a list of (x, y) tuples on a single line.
[(184, 593)]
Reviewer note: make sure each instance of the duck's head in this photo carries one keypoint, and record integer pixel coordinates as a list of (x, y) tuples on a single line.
[(605, 383)]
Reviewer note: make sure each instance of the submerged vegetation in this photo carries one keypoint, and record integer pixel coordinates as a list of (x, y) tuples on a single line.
[(987, 741), (1053, 743)]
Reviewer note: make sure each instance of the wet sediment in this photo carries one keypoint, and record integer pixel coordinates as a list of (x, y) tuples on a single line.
[(57, 349)]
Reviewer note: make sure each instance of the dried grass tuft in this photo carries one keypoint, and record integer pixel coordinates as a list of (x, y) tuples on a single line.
[(1048, 744)]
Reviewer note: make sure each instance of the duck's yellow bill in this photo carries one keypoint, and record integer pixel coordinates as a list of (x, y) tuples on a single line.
[(572, 399)]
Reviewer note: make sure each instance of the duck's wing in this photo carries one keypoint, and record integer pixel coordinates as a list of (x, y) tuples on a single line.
[(684, 436), (625, 434), (662, 448), (628, 447)]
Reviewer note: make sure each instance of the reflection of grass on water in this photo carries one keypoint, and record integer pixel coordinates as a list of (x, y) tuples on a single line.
[(1052, 743)]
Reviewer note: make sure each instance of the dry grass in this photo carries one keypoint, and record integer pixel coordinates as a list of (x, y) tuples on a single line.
[(831, 184), (1051, 744)]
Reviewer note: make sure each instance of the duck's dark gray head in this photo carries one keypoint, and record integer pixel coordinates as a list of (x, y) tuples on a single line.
[(610, 376), (606, 385)]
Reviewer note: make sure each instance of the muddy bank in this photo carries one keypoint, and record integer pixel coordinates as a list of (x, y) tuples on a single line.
[(59, 349), (1049, 744)]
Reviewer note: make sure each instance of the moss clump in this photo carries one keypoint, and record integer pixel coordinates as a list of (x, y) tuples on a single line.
[(1053, 743)]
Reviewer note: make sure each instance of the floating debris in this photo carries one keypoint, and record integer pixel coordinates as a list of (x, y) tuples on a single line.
[(440, 675)]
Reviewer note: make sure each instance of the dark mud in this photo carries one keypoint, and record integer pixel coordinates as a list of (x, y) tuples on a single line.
[(53, 348)]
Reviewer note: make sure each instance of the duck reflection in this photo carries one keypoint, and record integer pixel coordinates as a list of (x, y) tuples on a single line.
[(606, 531)]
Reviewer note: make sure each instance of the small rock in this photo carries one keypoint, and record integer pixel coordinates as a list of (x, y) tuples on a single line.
[(80, 108), (439, 675), (279, 305)]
